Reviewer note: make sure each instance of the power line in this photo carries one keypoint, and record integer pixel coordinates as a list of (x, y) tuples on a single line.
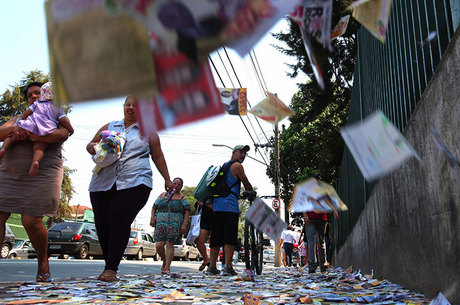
[(247, 130), (258, 122), (234, 72), (257, 73), (215, 69), (225, 67), (261, 74)]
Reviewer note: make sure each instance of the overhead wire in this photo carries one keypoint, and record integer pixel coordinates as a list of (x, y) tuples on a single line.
[(237, 78), (215, 69), (257, 73), (258, 122), (261, 74), (242, 121), (225, 67)]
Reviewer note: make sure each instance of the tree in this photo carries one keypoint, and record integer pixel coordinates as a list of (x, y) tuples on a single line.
[(14, 102), (312, 142)]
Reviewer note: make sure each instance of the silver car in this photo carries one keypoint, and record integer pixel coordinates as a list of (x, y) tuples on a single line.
[(269, 256), (186, 251), (8, 242), (22, 249), (140, 245)]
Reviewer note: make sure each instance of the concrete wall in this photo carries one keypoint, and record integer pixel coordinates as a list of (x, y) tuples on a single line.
[(409, 231)]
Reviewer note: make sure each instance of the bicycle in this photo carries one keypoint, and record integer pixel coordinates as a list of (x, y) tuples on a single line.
[(253, 247)]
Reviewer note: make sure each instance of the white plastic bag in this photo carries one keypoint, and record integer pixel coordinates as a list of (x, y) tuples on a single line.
[(194, 229)]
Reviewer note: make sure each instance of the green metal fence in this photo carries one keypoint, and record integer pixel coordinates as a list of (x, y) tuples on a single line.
[(391, 77)]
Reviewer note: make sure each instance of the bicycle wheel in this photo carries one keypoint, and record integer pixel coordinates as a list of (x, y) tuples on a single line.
[(260, 253), (247, 247)]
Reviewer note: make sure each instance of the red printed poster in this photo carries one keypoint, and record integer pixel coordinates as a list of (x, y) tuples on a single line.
[(187, 93)]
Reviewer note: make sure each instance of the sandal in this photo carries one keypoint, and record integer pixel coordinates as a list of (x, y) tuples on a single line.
[(165, 271), (108, 278), (203, 265), (45, 277)]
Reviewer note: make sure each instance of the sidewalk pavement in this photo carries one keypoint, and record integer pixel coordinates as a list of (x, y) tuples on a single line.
[(274, 286)]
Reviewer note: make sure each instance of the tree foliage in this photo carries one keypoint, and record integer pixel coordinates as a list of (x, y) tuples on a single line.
[(14, 102), (312, 142)]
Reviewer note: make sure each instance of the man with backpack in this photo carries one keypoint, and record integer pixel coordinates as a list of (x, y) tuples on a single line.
[(226, 211)]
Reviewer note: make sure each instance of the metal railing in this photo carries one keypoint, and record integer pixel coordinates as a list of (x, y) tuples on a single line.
[(391, 77)]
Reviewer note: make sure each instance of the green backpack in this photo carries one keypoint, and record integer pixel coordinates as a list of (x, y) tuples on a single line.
[(213, 183)]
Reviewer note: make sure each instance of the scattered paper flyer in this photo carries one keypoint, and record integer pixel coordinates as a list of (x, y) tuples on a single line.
[(318, 196), (374, 15), (234, 100), (341, 27), (271, 109), (265, 219), (187, 93), (376, 145), (94, 55), (255, 19), (315, 17), (440, 299), (198, 27)]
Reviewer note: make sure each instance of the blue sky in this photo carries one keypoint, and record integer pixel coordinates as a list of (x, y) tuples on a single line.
[(188, 149)]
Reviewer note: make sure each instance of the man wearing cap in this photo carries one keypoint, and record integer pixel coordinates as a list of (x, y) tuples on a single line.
[(226, 213)]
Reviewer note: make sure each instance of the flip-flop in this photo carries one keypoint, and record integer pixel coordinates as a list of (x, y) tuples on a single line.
[(45, 277), (203, 265), (165, 271)]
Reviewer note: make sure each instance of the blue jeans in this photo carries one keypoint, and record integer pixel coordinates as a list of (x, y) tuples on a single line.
[(316, 227)]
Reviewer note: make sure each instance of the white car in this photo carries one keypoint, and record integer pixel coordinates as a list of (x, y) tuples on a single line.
[(269, 256), (186, 251)]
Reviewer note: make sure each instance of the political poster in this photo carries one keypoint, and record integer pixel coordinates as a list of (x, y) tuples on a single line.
[(234, 100), (315, 195), (341, 27), (315, 17), (373, 15), (253, 21), (187, 93), (271, 109), (94, 55), (265, 219), (198, 27), (376, 145)]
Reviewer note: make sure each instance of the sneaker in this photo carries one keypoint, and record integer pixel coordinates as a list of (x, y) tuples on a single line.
[(311, 270), (212, 271), (229, 272)]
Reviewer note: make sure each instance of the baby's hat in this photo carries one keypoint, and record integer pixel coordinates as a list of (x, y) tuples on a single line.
[(46, 92)]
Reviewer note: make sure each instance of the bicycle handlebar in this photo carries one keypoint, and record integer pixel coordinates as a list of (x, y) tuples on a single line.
[(250, 195)]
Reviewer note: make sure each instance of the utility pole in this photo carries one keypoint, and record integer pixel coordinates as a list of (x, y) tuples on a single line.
[(277, 190), (276, 152)]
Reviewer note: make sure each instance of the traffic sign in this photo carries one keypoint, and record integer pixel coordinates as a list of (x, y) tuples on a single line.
[(276, 204)]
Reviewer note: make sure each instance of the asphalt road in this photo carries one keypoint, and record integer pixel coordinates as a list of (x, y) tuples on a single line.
[(26, 269)]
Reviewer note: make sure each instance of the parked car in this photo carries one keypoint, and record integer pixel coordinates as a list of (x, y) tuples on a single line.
[(269, 256), (74, 238), (186, 251), (140, 245), (22, 249), (8, 242)]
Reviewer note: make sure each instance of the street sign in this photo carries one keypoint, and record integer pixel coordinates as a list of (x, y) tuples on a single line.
[(276, 204)]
